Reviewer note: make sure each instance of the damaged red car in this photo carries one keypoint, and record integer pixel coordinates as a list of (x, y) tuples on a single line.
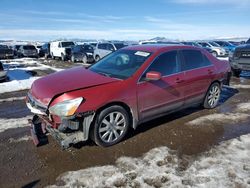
[(124, 89)]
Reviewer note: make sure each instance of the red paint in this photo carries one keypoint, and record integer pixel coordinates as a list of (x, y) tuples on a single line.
[(143, 98)]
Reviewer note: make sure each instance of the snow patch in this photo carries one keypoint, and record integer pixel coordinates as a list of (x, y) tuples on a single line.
[(6, 124), (226, 118), (12, 99), (25, 138), (226, 165), (239, 86), (243, 107)]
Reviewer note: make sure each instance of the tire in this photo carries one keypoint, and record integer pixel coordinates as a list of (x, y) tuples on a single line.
[(97, 58), (236, 72), (84, 59), (213, 96), (105, 131), (215, 54), (73, 59), (63, 57)]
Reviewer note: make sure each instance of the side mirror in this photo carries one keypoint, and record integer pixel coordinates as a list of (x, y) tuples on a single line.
[(153, 76)]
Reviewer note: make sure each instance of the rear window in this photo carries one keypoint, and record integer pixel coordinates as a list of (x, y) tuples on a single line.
[(29, 47), (67, 44), (194, 59)]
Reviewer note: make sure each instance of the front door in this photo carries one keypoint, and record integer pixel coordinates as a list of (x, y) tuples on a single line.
[(166, 94)]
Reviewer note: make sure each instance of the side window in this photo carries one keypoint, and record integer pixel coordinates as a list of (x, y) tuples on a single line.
[(194, 59), (102, 46), (110, 47), (166, 64), (59, 45)]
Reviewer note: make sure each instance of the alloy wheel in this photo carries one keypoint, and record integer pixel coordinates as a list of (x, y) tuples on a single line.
[(112, 127)]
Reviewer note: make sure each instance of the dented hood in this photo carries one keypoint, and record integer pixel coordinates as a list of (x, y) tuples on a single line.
[(44, 89)]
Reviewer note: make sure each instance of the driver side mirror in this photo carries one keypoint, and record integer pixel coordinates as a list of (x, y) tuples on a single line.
[(153, 76)]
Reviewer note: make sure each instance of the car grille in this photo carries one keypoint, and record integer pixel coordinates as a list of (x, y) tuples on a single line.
[(245, 54)]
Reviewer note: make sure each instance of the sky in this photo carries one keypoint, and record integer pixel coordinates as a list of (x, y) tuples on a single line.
[(123, 19)]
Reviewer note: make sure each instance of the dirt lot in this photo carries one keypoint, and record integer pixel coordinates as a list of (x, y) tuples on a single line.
[(24, 165)]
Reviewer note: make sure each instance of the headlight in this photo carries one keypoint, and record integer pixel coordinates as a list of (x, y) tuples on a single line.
[(66, 108)]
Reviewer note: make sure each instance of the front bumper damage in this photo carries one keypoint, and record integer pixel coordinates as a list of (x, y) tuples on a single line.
[(69, 132)]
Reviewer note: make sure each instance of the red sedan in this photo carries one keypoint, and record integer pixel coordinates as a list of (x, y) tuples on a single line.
[(122, 90)]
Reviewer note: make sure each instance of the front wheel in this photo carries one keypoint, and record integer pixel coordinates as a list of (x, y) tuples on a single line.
[(111, 126), (214, 53), (213, 96)]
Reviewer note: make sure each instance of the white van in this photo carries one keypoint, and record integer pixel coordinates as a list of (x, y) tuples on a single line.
[(61, 49)]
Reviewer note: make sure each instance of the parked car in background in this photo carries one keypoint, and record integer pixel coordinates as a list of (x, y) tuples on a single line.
[(83, 53), (226, 45), (217, 51), (61, 49), (105, 48), (15, 49), (6, 52), (240, 60), (45, 50), (3, 73), (27, 51), (198, 45), (237, 43), (124, 89)]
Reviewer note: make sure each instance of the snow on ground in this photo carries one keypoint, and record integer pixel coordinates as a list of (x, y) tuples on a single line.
[(20, 79), (226, 165), (6, 124), (12, 99), (24, 138)]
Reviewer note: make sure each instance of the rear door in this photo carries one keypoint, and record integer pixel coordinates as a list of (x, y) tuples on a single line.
[(166, 94), (199, 72)]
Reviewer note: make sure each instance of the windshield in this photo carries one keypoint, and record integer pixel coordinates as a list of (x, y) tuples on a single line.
[(29, 47), (121, 64), (214, 44), (67, 44), (119, 45)]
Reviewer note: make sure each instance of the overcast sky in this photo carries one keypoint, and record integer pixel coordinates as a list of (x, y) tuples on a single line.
[(123, 19)]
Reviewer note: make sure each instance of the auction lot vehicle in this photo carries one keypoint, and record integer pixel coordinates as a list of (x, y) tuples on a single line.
[(124, 89), (61, 49), (240, 61), (45, 50), (6, 52), (3, 73), (103, 49), (27, 51), (217, 51), (226, 45), (198, 45), (83, 53)]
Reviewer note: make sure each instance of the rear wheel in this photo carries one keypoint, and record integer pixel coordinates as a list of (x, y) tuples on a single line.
[(73, 59), (84, 59), (63, 57), (213, 96), (236, 72), (97, 58), (111, 126)]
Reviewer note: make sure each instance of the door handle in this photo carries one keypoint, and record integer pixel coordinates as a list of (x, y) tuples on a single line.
[(210, 71), (178, 80)]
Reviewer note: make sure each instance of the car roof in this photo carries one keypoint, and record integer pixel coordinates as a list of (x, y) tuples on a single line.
[(159, 47)]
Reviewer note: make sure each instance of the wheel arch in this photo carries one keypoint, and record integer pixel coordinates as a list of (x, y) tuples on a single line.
[(133, 120)]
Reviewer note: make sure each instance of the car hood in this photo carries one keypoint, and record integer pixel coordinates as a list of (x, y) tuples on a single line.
[(44, 89), (243, 47)]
